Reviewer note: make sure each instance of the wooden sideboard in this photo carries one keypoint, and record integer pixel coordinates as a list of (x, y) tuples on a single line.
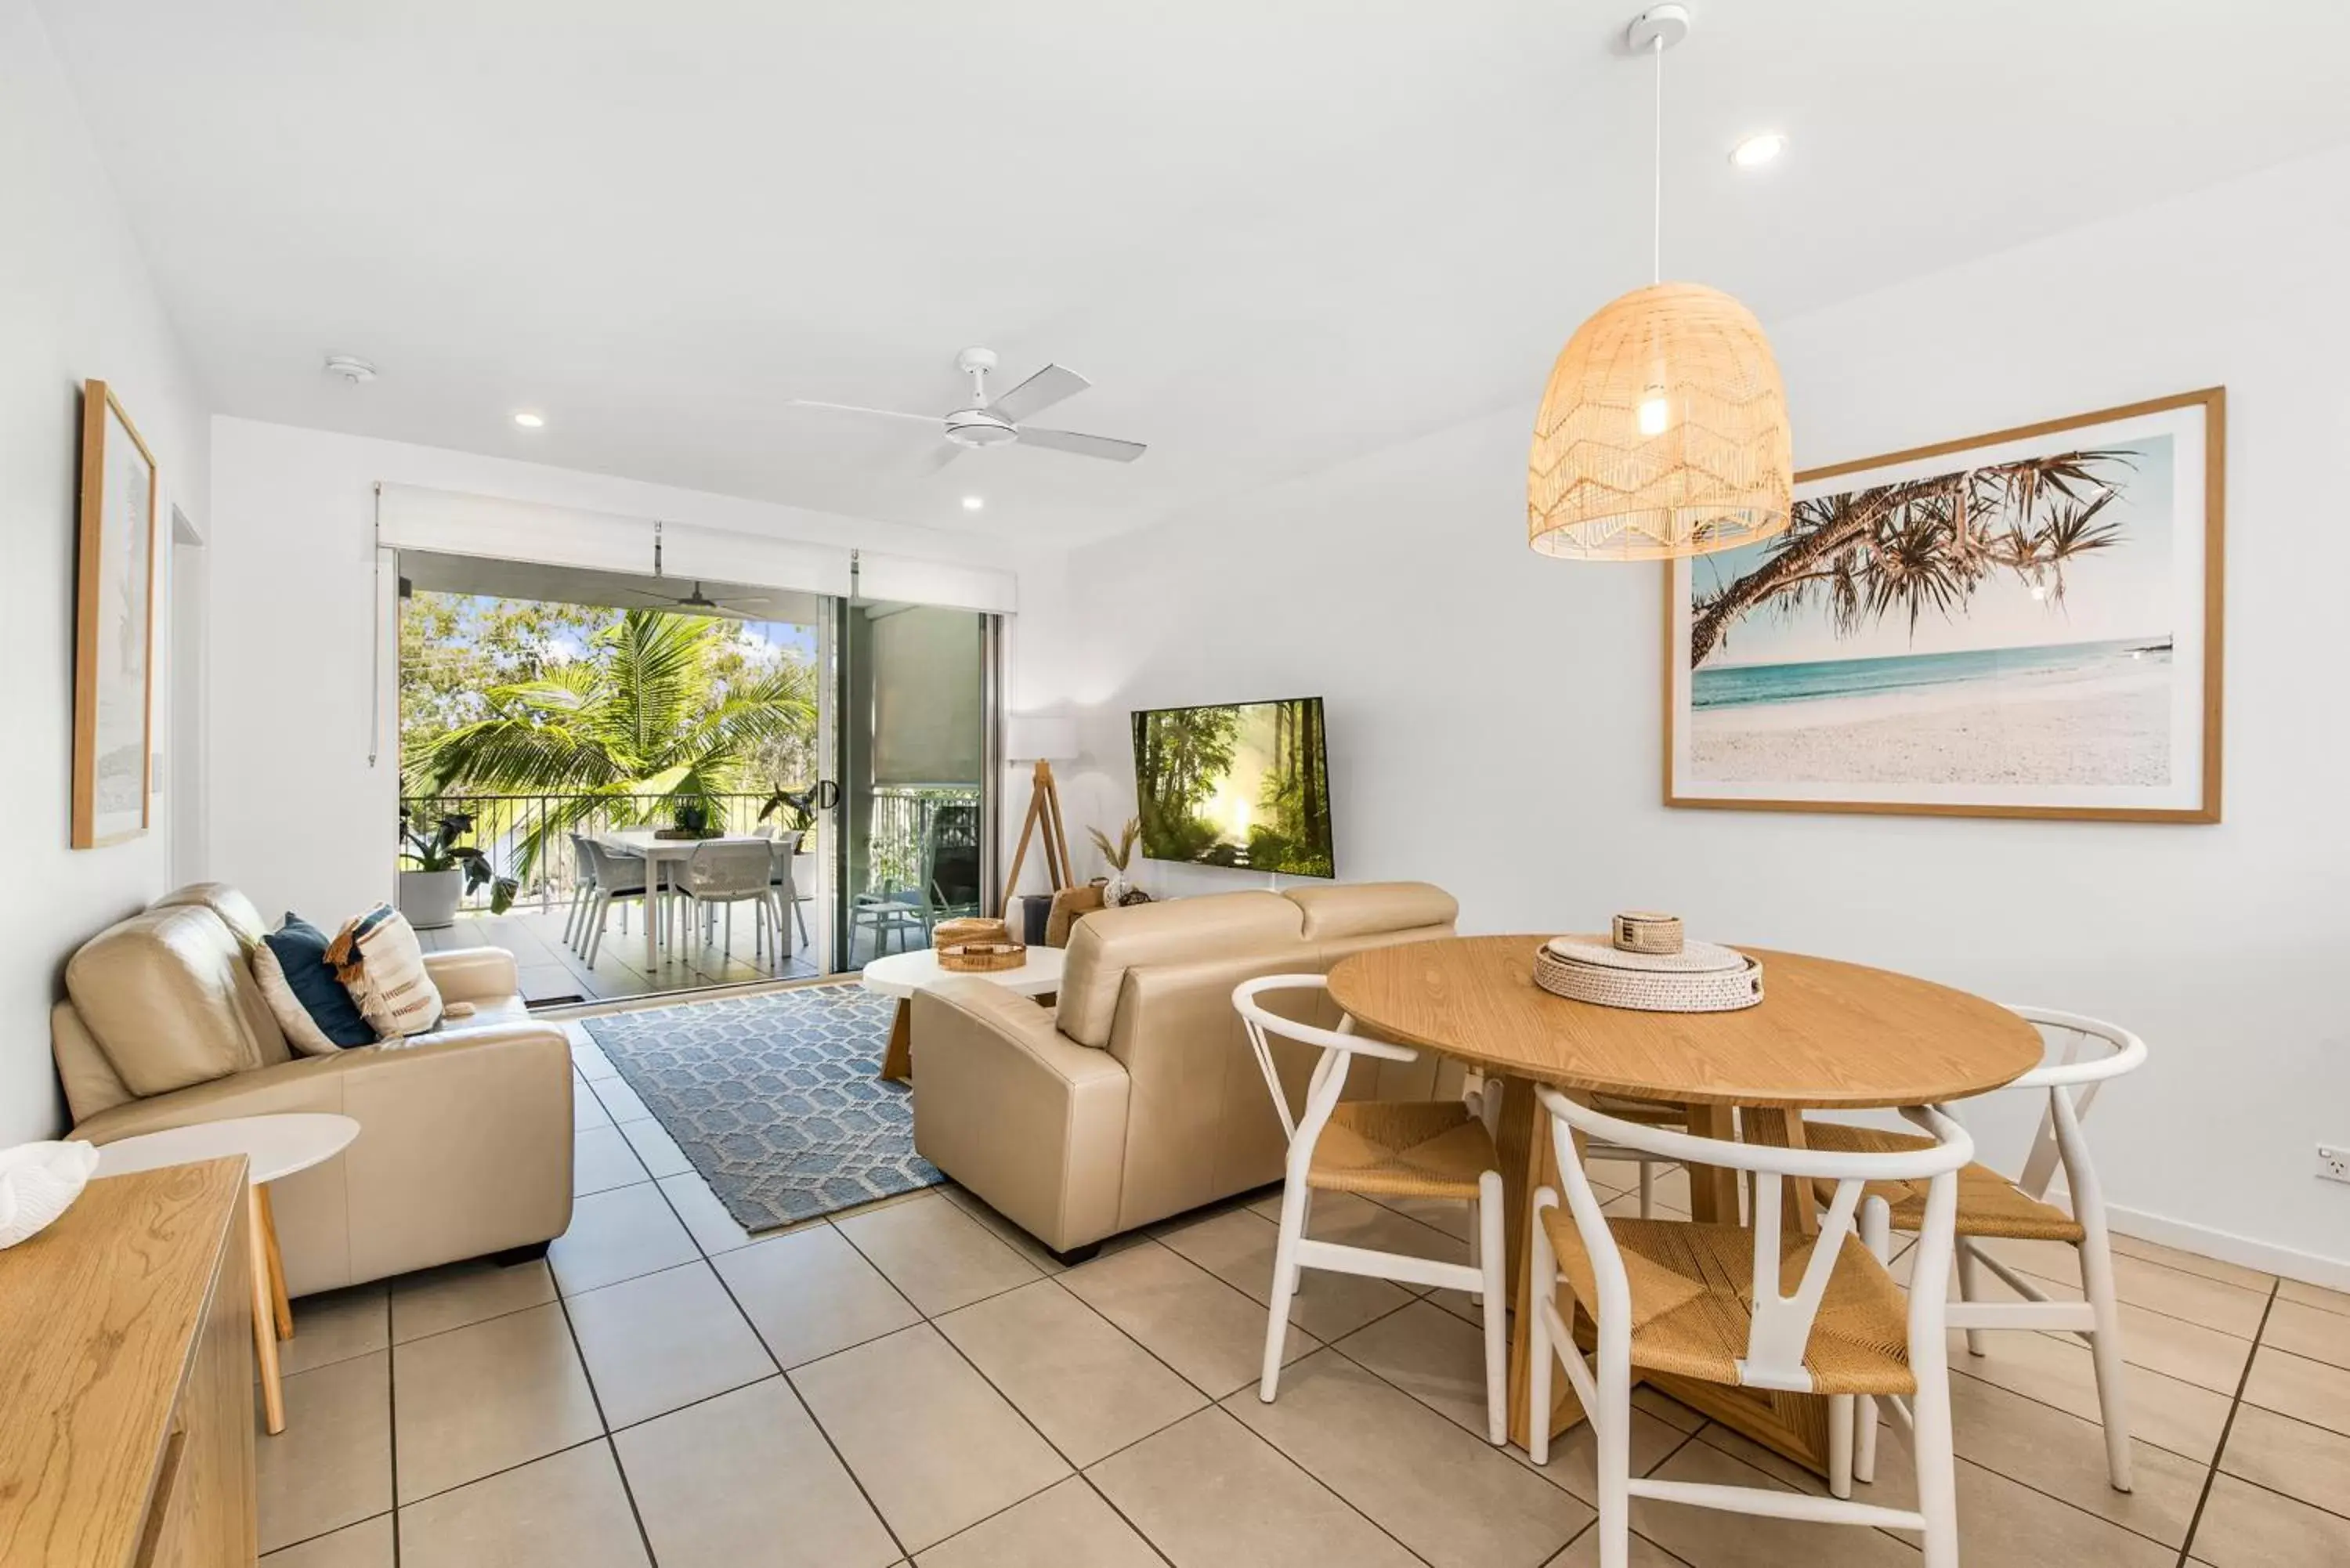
[(126, 1378)]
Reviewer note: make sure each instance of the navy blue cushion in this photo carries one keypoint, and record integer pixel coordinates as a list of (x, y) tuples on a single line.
[(301, 952)]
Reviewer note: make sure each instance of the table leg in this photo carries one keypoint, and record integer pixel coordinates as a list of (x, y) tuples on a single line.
[(1798, 1213), (1713, 1188), (280, 1308), (264, 1327), (656, 908), (897, 1062)]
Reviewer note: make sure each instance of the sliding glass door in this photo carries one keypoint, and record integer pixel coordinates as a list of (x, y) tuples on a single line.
[(916, 734)]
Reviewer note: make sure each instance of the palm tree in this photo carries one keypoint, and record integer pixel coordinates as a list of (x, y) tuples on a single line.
[(645, 713), (1926, 544)]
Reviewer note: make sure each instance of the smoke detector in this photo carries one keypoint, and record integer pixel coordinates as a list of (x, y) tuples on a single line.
[(354, 370)]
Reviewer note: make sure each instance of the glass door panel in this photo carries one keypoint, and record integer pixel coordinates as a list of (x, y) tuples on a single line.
[(916, 734)]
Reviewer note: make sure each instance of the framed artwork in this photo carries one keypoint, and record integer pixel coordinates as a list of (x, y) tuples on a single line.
[(2022, 624), (114, 626)]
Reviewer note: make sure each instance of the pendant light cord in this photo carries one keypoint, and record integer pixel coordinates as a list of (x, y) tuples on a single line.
[(1656, 242)]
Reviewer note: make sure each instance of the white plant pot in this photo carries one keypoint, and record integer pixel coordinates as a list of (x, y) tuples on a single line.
[(428, 898)]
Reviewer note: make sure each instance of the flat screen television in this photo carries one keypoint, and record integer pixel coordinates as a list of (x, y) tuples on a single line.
[(1244, 784)]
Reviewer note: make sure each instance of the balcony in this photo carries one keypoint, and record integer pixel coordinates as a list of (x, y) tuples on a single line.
[(527, 838)]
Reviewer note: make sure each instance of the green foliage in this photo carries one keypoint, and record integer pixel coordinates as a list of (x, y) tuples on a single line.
[(439, 850), (1183, 756), (455, 650), (654, 704), (1926, 544), (797, 809)]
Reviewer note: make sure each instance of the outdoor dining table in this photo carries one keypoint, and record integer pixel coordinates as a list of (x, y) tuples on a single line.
[(1827, 1035), (665, 861)]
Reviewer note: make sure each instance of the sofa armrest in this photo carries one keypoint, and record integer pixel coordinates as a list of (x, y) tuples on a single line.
[(464, 1149), (1019, 1113), (472, 974)]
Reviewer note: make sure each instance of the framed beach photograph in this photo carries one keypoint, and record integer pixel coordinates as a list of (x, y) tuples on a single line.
[(114, 625), (2021, 624)]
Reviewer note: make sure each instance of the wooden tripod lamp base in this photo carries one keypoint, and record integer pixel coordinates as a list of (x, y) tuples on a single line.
[(1045, 808)]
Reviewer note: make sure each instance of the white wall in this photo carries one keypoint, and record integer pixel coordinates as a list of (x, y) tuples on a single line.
[(1495, 725), (75, 303), (300, 818)]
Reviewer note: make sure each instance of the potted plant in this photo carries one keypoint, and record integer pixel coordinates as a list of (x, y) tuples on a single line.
[(795, 811), (437, 870), (1119, 856)]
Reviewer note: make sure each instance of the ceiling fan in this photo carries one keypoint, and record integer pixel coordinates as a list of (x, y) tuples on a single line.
[(1004, 420), (696, 603)]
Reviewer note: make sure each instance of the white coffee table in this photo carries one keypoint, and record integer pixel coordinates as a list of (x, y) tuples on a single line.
[(903, 974), (272, 1146)]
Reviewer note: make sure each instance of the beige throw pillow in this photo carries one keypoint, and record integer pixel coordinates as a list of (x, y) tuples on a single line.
[(379, 962)]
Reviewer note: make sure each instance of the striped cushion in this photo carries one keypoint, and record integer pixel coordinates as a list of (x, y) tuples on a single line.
[(379, 961)]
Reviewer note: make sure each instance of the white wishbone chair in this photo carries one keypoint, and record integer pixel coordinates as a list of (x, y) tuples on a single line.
[(1993, 1208), (1748, 1307), (1412, 1149)]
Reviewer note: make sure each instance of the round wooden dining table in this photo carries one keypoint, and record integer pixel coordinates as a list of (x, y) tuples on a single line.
[(1827, 1035)]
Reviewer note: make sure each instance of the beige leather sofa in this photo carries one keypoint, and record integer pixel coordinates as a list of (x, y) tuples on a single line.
[(1138, 1097), (466, 1140)]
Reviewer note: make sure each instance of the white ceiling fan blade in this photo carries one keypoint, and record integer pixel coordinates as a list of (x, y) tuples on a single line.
[(1082, 445), (1037, 393), (948, 452), (853, 409)]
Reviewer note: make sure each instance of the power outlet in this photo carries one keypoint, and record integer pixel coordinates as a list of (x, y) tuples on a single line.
[(2333, 1162)]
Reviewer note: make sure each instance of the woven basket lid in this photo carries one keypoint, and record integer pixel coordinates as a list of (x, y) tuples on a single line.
[(1601, 952)]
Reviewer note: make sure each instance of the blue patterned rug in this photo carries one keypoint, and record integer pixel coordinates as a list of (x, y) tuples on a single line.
[(774, 1097)]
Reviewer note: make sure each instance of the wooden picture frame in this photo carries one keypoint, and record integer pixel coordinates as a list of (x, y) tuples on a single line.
[(2081, 724), (114, 627)]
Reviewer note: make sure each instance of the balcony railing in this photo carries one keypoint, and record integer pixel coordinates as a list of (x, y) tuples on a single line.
[(506, 827)]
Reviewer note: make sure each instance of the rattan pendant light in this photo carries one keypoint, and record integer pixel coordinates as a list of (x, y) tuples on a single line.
[(1663, 432)]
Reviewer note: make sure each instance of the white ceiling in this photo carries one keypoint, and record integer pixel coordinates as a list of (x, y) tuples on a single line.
[(1274, 233)]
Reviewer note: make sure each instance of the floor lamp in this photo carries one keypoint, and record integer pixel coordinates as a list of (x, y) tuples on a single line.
[(1041, 737)]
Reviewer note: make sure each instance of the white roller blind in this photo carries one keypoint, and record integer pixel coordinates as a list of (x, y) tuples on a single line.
[(906, 579), (451, 523), (713, 555), (412, 517)]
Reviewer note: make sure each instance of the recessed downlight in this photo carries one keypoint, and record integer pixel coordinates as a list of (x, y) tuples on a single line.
[(973, 502), (1757, 150), (530, 421)]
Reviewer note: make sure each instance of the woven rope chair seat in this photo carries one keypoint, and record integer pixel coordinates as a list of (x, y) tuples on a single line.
[(1694, 1301), (1989, 1203), (1648, 1113), (1402, 1148)]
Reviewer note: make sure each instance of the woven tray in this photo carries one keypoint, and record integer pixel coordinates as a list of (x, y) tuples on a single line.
[(1583, 970), (969, 928), (981, 958)]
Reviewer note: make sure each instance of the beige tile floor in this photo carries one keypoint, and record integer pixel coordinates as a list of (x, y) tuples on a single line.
[(918, 1383)]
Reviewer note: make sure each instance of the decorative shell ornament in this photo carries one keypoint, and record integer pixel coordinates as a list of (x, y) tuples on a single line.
[(40, 1181)]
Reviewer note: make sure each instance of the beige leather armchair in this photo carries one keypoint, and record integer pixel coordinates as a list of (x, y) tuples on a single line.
[(1138, 1097), (465, 1133)]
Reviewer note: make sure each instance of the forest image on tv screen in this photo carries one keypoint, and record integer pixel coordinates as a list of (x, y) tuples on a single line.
[(1246, 785)]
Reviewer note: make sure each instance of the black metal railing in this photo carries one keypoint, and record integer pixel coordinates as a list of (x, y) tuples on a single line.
[(527, 836)]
